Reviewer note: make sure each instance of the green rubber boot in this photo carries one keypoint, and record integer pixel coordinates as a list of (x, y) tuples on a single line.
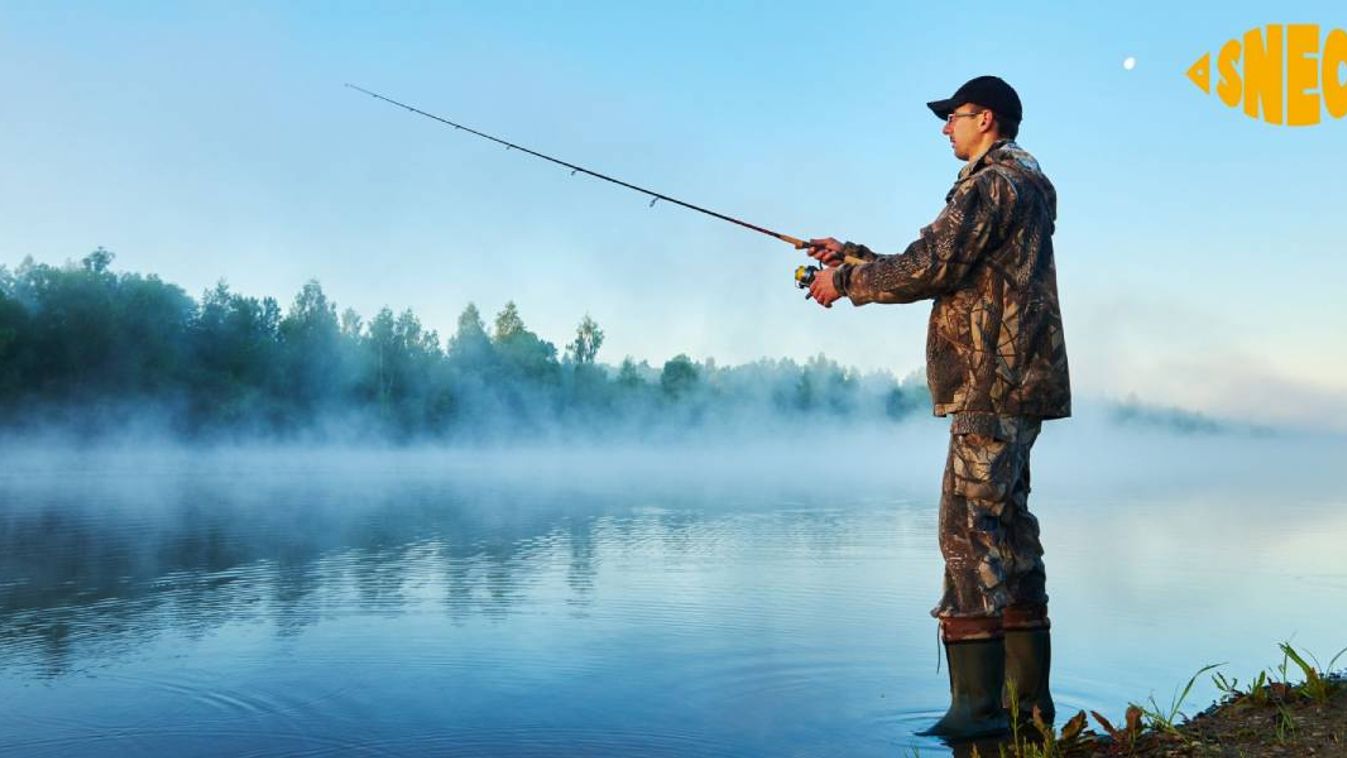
[(976, 673), (1028, 661)]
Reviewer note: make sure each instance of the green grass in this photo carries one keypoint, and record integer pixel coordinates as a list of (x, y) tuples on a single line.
[(1268, 687), (1316, 687), (1168, 719)]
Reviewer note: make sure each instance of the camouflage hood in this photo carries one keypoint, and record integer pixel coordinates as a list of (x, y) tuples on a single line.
[(1017, 163), (994, 343)]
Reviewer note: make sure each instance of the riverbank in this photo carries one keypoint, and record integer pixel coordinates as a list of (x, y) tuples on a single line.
[(1269, 716), (1279, 721)]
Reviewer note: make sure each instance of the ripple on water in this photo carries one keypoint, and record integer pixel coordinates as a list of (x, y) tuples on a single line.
[(765, 675), (196, 740), (553, 740), (389, 621)]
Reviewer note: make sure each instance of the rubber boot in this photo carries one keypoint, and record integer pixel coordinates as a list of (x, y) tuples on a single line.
[(1028, 661), (976, 674)]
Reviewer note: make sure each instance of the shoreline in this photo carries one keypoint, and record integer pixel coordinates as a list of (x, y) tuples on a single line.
[(1270, 715)]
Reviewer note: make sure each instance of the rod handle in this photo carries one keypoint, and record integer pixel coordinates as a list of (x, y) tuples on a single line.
[(802, 244)]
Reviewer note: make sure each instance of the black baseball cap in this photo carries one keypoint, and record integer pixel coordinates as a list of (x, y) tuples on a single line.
[(988, 91)]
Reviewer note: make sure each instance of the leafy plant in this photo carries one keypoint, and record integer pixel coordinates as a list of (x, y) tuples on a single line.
[(1256, 694), (1316, 686), (1142, 724), (1166, 719), (1045, 731), (1286, 725), (1258, 690), (1125, 738), (1048, 742)]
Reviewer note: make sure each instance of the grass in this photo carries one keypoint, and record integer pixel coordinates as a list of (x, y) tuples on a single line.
[(1167, 720), (1161, 730), (1316, 686)]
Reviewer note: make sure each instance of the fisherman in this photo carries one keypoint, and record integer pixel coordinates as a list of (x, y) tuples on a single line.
[(996, 362)]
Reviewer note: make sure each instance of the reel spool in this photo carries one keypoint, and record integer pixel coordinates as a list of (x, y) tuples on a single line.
[(804, 276)]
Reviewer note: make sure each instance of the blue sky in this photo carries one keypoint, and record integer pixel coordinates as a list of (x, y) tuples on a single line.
[(1200, 253)]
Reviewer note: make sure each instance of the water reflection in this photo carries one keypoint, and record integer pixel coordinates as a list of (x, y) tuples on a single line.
[(107, 569), (407, 606)]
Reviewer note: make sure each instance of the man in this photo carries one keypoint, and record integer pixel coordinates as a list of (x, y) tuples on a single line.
[(996, 362)]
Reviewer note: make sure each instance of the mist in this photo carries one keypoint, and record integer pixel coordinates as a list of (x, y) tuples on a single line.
[(106, 547), (89, 356), (97, 354), (567, 542)]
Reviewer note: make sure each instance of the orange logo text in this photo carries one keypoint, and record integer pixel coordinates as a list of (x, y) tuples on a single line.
[(1288, 74)]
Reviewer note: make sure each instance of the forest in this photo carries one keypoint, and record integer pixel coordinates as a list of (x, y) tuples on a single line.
[(94, 351)]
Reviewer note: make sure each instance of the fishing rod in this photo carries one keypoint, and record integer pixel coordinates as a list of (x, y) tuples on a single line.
[(803, 275), (655, 196)]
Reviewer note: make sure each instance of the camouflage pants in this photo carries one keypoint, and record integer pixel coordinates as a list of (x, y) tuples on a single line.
[(989, 540)]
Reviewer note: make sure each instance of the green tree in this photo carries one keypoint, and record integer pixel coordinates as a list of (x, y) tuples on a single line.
[(508, 324), (523, 353), (98, 261), (804, 393), (313, 360), (628, 376), (588, 340), (351, 324), (236, 350), (470, 343), (97, 336), (384, 360), (13, 326), (898, 404), (679, 377), (839, 386), (401, 372)]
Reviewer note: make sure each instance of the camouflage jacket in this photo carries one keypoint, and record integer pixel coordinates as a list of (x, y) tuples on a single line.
[(994, 344)]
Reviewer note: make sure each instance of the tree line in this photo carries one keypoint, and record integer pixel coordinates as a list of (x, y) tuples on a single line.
[(86, 347)]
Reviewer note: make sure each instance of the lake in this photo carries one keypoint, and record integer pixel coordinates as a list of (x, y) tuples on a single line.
[(721, 598)]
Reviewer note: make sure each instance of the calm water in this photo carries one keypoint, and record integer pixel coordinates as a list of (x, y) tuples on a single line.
[(707, 602)]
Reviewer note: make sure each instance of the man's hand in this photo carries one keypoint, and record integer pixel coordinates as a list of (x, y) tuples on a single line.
[(822, 289), (827, 251)]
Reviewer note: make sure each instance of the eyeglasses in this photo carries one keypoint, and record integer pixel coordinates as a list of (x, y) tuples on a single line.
[(950, 118)]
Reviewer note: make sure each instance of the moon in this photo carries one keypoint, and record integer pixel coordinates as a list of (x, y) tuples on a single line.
[(1129, 63)]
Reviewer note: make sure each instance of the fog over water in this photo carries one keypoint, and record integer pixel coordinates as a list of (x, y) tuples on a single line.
[(1105, 443), (711, 595), (379, 440)]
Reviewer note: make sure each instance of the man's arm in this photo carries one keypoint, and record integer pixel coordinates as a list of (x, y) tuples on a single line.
[(937, 262)]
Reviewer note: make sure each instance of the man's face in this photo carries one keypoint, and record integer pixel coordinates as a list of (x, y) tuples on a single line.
[(964, 127)]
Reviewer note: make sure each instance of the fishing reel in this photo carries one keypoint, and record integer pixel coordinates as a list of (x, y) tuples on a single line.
[(804, 276)]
